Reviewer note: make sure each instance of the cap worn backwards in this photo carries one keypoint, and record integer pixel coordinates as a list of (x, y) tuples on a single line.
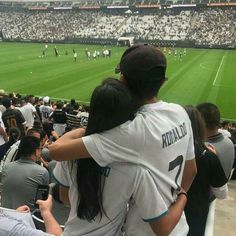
[(46, 99), (140, 60)]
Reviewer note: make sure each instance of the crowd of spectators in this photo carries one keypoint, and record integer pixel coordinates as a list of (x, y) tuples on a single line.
[(209, 26), (214, 27)]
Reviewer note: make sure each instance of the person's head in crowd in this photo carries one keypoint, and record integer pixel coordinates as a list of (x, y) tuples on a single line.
[(143, 69), (86, 108), (2, 93), (18, 95), (72, 102), (11, 95), (15, 101), (59, 104), (30, 98), (40, 101), (110, 105), (29, 148), (36, 100), (23, 102), (233, 132), (225, 124), (46, 100), (210, 114), (14, 134), (198, 127), (34, 132), (38, 133), (6, 102), (37, 125), (233, 125)]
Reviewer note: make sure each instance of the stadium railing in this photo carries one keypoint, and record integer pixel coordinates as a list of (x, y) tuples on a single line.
[(209, 230)]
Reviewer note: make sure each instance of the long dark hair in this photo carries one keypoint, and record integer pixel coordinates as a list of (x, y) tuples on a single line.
[(110, 106), (198, 127)]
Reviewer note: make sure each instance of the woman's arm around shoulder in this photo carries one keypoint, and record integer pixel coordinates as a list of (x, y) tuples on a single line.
[(70, 146)]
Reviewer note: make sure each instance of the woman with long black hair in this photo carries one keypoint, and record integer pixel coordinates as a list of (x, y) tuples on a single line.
[(210, 181), (99, 195)]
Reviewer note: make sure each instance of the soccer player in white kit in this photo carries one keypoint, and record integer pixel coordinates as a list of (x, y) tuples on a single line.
[(159, 137)]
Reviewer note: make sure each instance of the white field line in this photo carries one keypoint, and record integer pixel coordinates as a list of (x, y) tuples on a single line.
[(227, 119), (214, 82)]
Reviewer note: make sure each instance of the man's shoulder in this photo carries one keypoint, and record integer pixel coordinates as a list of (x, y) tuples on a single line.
[(220, 139), (162, 106), (39, 168)]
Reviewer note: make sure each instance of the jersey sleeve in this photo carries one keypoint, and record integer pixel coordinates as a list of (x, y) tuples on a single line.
[(61, 175), (216, 173), (114, 146), (148, 199)]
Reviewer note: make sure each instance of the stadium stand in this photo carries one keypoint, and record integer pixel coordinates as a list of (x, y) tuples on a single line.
[(202, 26)]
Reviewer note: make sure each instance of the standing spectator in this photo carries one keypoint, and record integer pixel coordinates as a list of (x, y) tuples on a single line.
[(29, 112), (225, 128), (45, 109), (84, 116), (38, 103), (95, 206), (159, 137), (223, 145), (59, 119), (21, 178), (210, 178), (12, 117)]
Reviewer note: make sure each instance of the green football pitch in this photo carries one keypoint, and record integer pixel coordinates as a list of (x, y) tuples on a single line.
[(203, 75)]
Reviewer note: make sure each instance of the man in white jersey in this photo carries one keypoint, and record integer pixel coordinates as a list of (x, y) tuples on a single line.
[(29, 111), (159, 137), (45, 109)]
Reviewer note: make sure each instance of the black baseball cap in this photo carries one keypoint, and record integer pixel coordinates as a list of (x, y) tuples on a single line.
[(139, 60)]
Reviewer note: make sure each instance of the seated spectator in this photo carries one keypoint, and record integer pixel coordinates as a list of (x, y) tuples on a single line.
[(45, 109), (51, 133), (59, 118), (21, 178), (19, 222), (210, 178)]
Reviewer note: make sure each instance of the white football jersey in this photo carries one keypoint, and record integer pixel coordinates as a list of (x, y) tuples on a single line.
[(159, 138), (45, 111)]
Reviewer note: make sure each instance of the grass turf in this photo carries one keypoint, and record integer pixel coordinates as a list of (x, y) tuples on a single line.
[(204, 75)]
